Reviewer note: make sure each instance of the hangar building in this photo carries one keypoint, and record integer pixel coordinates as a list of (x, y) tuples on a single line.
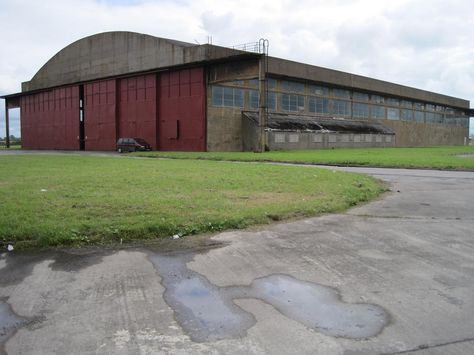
[(190, 97)]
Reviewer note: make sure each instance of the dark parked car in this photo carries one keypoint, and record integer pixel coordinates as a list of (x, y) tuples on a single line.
[(132, 145)]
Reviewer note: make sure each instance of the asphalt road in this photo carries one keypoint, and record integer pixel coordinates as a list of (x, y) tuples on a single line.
[(392, 276)]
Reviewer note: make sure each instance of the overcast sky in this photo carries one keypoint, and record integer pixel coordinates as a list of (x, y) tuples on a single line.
[(427, 44)]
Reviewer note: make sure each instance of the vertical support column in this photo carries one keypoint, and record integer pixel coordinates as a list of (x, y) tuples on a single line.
[(262, 90), (262, 103), (7, 125)]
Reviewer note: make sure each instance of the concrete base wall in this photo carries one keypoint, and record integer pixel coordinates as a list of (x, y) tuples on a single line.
[(278, 140), (224, 129), (250, 135), (228, 132), (411, 134)]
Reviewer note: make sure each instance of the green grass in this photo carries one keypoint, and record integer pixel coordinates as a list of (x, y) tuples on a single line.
[(71, 200), (12, 146), (424, 158)]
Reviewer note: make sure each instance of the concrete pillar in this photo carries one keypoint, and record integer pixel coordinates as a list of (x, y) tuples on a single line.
[(7, 125)]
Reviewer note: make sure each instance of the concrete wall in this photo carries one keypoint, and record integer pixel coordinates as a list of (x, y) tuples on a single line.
[(237, 70), (224, 124), (411, 134), (224, 128), (278, 140), (250, 135)]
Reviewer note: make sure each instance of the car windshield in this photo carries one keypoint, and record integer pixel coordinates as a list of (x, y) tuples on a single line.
[(140, 141)]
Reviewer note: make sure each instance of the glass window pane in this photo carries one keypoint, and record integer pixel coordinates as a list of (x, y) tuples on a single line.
[(360, 96), (292, 86), (393, 113), (341, 108), (407, 104), (429, 117), (319, 90), (360, 110), (272, 83), (419, 116), (378, 99), (253, 97), (318, 105), (391, 101), (292, 103), (430, 107), (378, 112), (300, 103), (285, 102), (253, 83), (419, 106), (217, 95), (238, 98), (407, 115), (228, 97), (271, 101), (341, 93)]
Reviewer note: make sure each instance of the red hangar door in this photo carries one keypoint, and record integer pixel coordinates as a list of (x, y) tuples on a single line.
[(50, 119), (182, 110), (99, 115), (137, 108)]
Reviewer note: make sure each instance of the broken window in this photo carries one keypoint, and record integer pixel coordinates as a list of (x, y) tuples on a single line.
[(319, 90)]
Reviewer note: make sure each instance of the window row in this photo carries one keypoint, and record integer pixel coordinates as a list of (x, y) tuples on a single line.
[(234, 97), (319, 90)]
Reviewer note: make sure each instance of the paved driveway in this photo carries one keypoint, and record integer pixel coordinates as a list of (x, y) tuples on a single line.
[(393, 276)]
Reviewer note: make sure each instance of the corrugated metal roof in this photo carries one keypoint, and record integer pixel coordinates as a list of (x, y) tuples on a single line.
[(288, 122)]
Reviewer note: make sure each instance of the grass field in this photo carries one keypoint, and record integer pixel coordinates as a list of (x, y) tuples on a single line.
[(424, 158), (12, 146), (64, 200)]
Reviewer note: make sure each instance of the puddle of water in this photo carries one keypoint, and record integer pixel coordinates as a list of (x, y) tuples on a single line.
[(207, 312), (201, 308), (9, 322), (319, 307)]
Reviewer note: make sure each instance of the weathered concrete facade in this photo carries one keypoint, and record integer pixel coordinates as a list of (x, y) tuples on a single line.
[(411, 134), (225, 132), (176, 110)]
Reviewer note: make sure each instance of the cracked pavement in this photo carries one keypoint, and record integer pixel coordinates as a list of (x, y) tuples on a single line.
[(410, 253)]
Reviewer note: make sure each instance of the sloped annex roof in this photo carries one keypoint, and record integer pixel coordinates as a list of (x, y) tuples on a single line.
[(288, 122)]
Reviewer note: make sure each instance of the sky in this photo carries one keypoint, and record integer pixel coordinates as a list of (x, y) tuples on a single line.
[(427, 44)]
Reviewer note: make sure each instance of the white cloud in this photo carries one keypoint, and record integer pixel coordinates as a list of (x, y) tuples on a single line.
[(421, 43)]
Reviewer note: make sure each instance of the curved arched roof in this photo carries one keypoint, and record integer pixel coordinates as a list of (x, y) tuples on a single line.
[(108, 54)]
